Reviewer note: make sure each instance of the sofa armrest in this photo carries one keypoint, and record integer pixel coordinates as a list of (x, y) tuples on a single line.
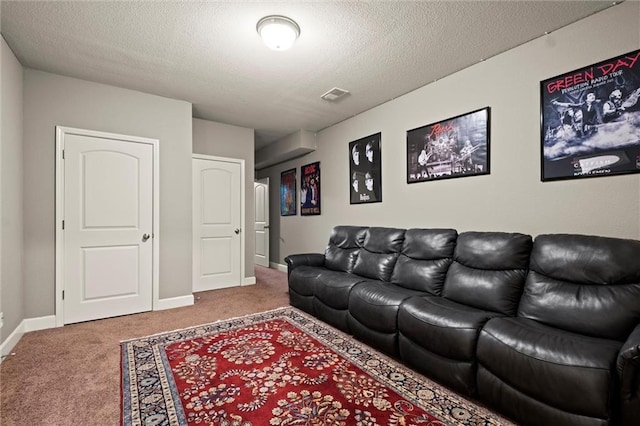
[(628, 365), (309, 259)]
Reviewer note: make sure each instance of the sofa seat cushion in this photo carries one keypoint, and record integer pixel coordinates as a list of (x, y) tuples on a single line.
[(332, 288), (302, 279), (375, 304), (442, 326), (567, 371)]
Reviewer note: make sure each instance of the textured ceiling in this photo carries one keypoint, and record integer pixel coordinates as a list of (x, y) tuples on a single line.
[(209, 54)]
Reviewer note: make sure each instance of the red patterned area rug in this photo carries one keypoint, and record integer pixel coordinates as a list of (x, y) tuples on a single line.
[(281, 367)]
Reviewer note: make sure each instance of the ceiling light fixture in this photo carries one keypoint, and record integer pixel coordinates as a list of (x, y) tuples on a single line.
[(278, 32)]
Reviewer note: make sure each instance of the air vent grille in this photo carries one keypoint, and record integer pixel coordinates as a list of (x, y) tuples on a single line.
[(334, 94)]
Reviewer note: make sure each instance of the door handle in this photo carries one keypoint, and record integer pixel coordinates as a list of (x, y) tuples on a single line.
[(266, 227), (145, 237), (237, 230)]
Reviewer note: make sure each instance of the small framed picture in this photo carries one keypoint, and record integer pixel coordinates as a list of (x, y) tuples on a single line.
[(452, 148), (288, 205), (310, 189), (365, 170)]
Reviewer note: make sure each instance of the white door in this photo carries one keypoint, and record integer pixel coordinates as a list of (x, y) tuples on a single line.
[(216, 224), (261, 193), (108, 226)]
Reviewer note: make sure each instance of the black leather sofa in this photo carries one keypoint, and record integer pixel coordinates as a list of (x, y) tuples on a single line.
[(544, 331)]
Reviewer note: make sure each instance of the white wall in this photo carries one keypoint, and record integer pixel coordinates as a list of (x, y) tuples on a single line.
[(11, 210), (512, 197), (224, 140), (51, 100)]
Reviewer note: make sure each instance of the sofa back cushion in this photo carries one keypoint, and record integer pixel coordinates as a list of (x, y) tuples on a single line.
[(425, 257), (488, 270), (379, 253), (584, 284), (343, 248)]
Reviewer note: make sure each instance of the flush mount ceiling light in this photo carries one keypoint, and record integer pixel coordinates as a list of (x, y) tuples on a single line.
[(278, 32)]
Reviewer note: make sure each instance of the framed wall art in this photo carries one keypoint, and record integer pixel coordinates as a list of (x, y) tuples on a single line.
[(365, 176), (288, 205), (590, 120), (310, 189), (456, 147)]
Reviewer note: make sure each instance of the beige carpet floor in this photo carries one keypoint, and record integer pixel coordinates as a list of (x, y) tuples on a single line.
[(71, 375)]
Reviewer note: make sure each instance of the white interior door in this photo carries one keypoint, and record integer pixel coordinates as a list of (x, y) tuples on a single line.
[(216, 224), (261, 192), (108, 226)]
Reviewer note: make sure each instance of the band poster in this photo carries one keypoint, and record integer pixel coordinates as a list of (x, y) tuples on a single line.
[(451, 148), (288, 205), (365, 170), (590, 124), (310, 189)]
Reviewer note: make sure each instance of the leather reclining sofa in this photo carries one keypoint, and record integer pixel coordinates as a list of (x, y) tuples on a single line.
[(544, 331)]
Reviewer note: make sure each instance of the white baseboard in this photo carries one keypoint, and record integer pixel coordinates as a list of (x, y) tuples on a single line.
[(278, 266), (41, 323), (27, 325), (174, 302), (10, 342), (248, 281)]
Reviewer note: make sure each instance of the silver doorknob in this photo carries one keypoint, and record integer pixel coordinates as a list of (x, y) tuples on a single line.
[(145, 237), (237, 231)]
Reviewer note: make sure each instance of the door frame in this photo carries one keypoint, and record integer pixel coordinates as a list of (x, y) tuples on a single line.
[(243, 229), (61, 132)]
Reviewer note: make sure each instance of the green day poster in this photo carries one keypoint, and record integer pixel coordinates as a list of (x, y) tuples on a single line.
[(310, 189), (590, 120), (288, 203)]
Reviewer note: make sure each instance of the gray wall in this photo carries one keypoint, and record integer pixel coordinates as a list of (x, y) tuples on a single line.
[(51, 100), (512, 197), (11, 210), (224, 140)]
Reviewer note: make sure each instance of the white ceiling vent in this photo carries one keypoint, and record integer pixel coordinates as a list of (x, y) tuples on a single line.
[(334, 94)]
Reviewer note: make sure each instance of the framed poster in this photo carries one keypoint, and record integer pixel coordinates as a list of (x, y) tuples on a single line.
[(288, 205), (310, 189), (451, 148), (365, 176), (590, 120)]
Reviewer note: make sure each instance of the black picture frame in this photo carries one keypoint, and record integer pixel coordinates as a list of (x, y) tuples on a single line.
[(365, 170), (590, 120), (288, 193), (310, 189), (451, 148)]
